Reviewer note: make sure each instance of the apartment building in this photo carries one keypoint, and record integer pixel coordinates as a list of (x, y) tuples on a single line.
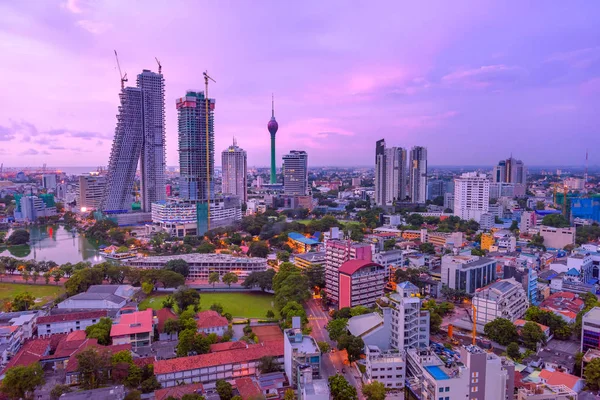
[(590, 330), (542, 391), (69, 322), (361, 282), (338, 252), (136, 328), (300, 350), (492, 377), (503, 299), (387, 367), (468, 273)]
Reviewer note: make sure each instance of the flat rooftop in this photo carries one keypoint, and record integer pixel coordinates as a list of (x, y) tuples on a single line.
[(594, 313)]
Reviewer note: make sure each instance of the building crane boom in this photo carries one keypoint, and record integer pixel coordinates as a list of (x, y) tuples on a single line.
[(207, 102), (159, 66), (123, 77)]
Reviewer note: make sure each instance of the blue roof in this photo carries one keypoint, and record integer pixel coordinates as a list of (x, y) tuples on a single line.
[(407, 285), (302, 239), (573, 272)]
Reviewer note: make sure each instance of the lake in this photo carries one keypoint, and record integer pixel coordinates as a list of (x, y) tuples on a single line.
[(55, 243)]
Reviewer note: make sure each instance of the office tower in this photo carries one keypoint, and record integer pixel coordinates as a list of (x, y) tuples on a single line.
[(235, 172), (196, 155), (418, 174), (90, 189), (436, 188), (272, 126), (390, 174), (49, 181), (471, 196), (152, 161), (295, 173), (510, 171), (125, 153)]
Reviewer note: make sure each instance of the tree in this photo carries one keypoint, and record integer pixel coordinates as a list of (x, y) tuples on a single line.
[(293, 309), (555, 220), (427, 248), (18, 237), (93, 366), (178, 265), (478, 252), (513, 350), (147, 288), (206, 248), (340, 389), (290, 285), (358, 310), (258, 249), (58, 391), (389, 244), (324, 346), (592, 374), (540, 205), (185, 297), (268, 364), (213, 278), (224, 389), (100, 331), (289, 395), (21, 381), (374, 391), (532, 334), (262, 279), (22, 302), (354, 345), (172, 326), (217, 307), (283, 256), (133, 395), (336, 328), (229, 278), (501, 331), (270, 314)]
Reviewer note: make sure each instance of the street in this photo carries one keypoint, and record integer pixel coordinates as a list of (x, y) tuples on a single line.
[(331, 362)]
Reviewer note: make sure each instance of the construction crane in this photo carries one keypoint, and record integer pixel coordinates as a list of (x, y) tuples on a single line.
[(123, 77), (159, 66), (206, 78)]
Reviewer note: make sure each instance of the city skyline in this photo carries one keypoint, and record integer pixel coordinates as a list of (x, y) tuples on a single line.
[(412, 78)]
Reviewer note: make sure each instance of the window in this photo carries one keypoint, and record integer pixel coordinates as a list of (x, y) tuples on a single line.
[(475, 374), (441, 391), (474, 389), (447, 388), (475, 380)]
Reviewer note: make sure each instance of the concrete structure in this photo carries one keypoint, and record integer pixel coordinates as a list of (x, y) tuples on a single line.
[(557, 238), (49, 181), (196, 146), (295, 173), (110, 392), (235, 172), (310, 260), (201, 265), (300, 350), (309, 388), (528, 221), (90, 190), (136, 328), (336, 253), (177, 218), (540, 391), (449, 201), (468, 272), (492, 377), (502, 299), (510, 171), (408, 324), (69, 322), (390, 174), (417, 168), (361, 282), (436, 188), (273, 126), (471, 196), (100, 297), (487, 221), (387, 367), (590, 330), (210, 321), (509, 190), (34, 207), (390, 260), (372, 329)]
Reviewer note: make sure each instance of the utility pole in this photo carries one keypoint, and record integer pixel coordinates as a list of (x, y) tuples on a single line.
[(207, 100)]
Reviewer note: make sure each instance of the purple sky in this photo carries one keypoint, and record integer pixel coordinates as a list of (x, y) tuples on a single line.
[(471, 80)]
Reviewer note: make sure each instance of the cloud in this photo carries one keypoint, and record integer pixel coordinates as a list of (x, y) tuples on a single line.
[(34, 152), (580, 58), (591, 87), (425, 121), (6, 134), (95, 27), (485, 76), (75, 134), (72, 6)]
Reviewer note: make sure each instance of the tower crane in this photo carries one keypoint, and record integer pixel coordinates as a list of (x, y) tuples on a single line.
[(207, 100), (123, 77), (159, 66)]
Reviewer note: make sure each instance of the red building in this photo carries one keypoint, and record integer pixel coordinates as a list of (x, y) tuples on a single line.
[(361, 282)]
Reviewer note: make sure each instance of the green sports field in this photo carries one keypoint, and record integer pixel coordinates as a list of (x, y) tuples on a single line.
[(43, 293)]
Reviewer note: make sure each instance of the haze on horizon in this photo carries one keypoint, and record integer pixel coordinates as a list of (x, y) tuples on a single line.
[(471, 81)]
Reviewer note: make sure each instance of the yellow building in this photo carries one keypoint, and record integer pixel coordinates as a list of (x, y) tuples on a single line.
[(411, 235), (487, 240)]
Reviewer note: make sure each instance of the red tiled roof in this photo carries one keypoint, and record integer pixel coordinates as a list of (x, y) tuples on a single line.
[(211, 319), (136, 322), (66, 348), (351, 266), (559, 378), (72, 364), (268, 333), (76, 335), (163, 315), (143, 361), (177, 391), (252, 353), (31, 352), (563, 303), (248, 388), (77, 316), (227, 346)]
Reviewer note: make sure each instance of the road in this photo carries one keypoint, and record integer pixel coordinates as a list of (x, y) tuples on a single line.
[(331, 362)]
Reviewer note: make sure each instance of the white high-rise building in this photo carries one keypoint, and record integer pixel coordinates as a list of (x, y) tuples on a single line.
[(139, 136), (471, 196), (295, 173), (235, 172), (390, 174), (409, 325), (417, 168), (90, 190), (49, 181)]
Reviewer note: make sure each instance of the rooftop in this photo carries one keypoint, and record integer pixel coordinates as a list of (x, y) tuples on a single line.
[(248, 388), (136, 322), (362, 324), (307, 345), (76, 316), (498, 289), (312, 256), (468, 261), (177, 391), (112, 392), (594, 313), (556, 378), (302, 239), (352, 266), (198, 258), (211, 319)]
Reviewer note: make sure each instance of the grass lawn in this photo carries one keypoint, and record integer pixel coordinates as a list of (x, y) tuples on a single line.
[(45, 293), (246, 305)]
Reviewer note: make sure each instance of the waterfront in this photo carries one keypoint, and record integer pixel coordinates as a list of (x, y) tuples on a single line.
[(55, 243)]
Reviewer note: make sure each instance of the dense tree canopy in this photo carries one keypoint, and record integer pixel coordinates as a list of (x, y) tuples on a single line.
[(340, 389), (374, 391), (501, 331), (555, 220), (19, 236), (21, 381), (178, 265)]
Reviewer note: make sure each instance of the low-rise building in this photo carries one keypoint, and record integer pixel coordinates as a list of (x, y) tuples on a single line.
[(590, 330), (314, 259), (101, 297), (387, 367), (300, 350), (503, 299), (310, 388), (467, 272), (557, 378), (557, 238), (136, 328), (371, 329), (564, 304), (68, 322), (541, 391), (361, 282), (301, 243), (210, 321)]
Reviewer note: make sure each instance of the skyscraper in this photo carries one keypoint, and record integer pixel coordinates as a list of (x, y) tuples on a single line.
[(418, 174), (193, 162), (152, 161), (139, 136), (272, 126), (390, 174), (510, 170), (471, 196), (295, 173), (235, 172)]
